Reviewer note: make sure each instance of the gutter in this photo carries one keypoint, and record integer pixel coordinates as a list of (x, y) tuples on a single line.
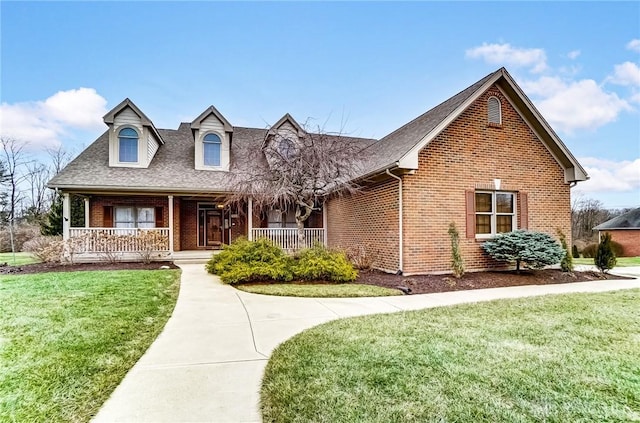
[(400, 237)]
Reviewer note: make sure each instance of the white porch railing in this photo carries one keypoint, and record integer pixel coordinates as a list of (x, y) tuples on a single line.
[(119, 240), (287, 238)]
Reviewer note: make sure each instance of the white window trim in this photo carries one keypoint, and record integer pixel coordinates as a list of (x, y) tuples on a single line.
[(494, 214), (135, 215), (120, 128), (224, 153)]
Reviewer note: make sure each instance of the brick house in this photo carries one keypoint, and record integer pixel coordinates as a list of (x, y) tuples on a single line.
[(625, 230), (484, 159)]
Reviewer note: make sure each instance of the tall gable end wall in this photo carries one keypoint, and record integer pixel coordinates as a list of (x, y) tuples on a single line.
[(468, 155)]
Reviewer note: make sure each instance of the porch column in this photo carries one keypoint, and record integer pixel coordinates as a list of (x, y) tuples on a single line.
[(170, 197), (324, 224), (86, 212), (250, 219), (66, 216)]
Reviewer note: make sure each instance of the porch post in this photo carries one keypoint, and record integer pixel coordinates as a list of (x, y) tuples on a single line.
[(86, 212), (66, 216), (170, 223), (324, 224), (250, 219)]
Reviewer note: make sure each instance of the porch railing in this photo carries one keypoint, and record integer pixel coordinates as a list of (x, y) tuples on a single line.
[(119, 240), (287, 238)]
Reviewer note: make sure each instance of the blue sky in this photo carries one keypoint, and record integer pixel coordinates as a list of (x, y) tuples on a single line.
[(364, 68)]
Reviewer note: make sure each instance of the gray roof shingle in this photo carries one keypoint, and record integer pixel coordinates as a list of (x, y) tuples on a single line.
[(628, 220)]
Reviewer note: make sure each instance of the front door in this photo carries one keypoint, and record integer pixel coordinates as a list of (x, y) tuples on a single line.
[(209, 227)]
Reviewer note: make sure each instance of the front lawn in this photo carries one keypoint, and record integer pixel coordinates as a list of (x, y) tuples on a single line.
[(620, 261), (20, 259), (555, 358), (67, 339), (319, 290)]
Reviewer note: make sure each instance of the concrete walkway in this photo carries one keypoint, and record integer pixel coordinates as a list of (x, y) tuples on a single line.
[(207, 364)]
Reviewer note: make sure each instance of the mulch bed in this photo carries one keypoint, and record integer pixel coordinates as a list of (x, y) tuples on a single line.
[(425, 284), (77, 267), (419, 284)]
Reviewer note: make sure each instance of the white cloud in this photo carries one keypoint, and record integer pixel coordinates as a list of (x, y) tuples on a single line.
[(506, 55), (576, 104), (43, 123), (573, 54), (610, 176), (634, 45), (627, 73)]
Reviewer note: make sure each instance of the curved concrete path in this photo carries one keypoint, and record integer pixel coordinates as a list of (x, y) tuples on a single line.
[(207, 364)]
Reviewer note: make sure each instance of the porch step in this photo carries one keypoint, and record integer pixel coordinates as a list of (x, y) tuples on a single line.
[(192, 257)]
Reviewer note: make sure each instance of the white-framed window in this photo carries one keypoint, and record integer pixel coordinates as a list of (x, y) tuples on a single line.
[(134, 217), (286, 148), (277, 218), (494, 111), (495, 212), (211, 150), (128, 145)]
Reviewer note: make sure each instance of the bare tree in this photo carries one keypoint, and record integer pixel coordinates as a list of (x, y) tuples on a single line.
[(296, 172), (37, 201), (586, 213), (15, 166)]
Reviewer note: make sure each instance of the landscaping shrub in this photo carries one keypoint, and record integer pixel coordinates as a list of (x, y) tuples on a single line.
[(574, 251), (535, 249), (250, 261), (47, 249), (362, 256), (457, 264), (605, 258), (590, 251), (566, 264), (21, 234), (320, 263)]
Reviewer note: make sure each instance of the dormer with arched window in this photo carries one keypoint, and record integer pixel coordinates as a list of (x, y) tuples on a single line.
[(212, 134), (133, 140)]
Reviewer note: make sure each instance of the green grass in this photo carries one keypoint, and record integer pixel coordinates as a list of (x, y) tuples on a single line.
[(20, 259), (68, 339), (621, 261), (561, 358), (319, 290)]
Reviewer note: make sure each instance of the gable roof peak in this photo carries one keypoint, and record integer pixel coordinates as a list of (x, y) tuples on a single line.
[(286, 118), (211, 110), (128, 104)]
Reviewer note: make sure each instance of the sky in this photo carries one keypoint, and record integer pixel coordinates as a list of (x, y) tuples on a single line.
[(360, 68)]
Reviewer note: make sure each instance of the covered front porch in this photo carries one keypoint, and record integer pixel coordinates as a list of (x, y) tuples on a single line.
[(157, 227)]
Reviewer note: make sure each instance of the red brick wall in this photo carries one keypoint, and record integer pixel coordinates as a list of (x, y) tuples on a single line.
[(188, 225), (368, 218), (629, 239), (465, 156)]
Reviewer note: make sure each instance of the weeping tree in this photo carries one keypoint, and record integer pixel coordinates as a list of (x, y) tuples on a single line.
[(296, 169)]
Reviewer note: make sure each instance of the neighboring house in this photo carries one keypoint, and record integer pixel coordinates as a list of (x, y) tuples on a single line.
[(625, 230), (484, 159)]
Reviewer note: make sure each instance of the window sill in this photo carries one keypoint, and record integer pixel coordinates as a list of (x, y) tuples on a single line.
[(494, 125)]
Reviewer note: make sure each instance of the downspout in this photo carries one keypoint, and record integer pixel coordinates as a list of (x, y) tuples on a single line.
[(400, 241)]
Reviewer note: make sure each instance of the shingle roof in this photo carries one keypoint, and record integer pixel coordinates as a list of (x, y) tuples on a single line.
[(628, 220), (172, 168), (394, 146)]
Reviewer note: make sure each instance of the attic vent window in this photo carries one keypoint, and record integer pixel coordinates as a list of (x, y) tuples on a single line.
[(495, 114)]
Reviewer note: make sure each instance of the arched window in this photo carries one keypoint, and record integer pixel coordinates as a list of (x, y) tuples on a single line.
[(128, 145), (286, 148), (495, 114), (212, 145)]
